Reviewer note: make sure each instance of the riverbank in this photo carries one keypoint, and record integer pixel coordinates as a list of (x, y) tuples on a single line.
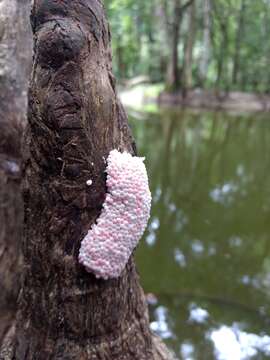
[(231, 101), (149, 95)]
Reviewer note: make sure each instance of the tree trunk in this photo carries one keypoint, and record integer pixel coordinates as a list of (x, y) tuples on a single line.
[(173, 77), (223, 49), (205, 58), (163, 16), (188, 55), (15, 60), (238, 40), (173, 72), (75, 119)]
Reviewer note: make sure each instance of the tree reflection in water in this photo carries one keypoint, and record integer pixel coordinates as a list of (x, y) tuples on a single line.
[(206, 251)]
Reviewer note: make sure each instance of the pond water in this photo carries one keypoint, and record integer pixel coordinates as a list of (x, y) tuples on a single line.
[(205, 257)]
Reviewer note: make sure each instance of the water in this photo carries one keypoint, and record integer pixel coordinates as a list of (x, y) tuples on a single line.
[(204, 260)]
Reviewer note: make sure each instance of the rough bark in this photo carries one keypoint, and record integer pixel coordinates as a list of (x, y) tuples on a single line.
[(15, 61), (75, 119)]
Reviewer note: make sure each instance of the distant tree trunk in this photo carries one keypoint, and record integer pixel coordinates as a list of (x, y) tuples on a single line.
[(223, 49), (173, 72), (15, 60), (75, 119), (162, 15), (205, 57), (238, 40), (188, 53), (173, 77)]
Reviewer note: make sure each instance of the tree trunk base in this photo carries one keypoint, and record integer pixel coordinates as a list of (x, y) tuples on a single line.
[(7, 350)]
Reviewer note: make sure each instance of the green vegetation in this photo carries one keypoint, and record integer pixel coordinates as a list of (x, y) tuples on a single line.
[(221, 44)]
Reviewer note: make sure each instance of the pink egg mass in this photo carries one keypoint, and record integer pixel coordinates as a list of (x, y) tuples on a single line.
[(108, 245)]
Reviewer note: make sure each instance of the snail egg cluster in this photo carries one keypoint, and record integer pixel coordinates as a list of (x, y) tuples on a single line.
[(107, 247)]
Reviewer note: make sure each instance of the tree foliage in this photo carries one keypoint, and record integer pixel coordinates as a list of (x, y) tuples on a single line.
[(230, 44)]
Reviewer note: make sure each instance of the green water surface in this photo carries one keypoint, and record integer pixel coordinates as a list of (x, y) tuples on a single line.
[(205, 257)]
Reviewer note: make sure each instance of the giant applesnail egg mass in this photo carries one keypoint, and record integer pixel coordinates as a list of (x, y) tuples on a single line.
[(108, 245)]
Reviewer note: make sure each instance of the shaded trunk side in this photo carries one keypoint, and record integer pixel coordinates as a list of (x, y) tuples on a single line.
[(75, 119), (173, 77), (15, 59)]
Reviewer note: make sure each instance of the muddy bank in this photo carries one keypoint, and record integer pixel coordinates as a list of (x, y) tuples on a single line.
[(230, 101)]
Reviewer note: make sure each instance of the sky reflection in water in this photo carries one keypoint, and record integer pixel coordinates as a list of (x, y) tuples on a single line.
[(204, 260)]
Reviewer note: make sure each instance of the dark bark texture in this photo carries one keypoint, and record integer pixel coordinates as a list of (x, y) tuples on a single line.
[(75, 119), (15, 61)]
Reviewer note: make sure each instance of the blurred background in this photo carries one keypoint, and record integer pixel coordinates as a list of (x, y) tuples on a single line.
[(204, 260), (220, 43)]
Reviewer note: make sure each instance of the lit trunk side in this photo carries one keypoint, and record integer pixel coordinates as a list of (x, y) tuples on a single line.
[(15, 60), (75, 119)]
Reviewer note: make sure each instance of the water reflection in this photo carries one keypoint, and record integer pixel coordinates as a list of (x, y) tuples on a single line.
[(197, 314), (180, 258), (205, 252), (161, 323), (187, 351), (235, 344), (224, 194)]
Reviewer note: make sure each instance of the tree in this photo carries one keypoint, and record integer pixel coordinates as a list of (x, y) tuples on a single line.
[(206, 42), (173, 77), (15, 55), (239, 35), (188, 51), (174, 26), (150, 38), (75, 119)]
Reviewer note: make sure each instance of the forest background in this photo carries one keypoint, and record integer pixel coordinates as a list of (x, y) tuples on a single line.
[(207, 44)]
